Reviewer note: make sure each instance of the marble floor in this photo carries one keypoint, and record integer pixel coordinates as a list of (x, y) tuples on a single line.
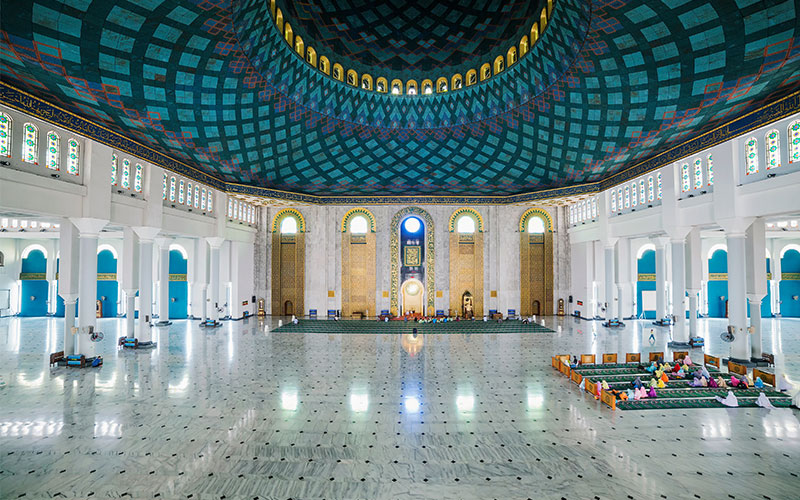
[(245, 412)]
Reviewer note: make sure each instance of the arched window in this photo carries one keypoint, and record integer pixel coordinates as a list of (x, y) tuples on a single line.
[(642, 194), (288, 34), (73, 157), (203, 199), (634, 195), (138, 178), (543, 20), (181, 192), (659, 192), (289, 225), (613, 202), (411, 87), (627, 197), (486, 71), (499, 64), (794, 141), (441, 85), (650, 189), (397, 87), (366, 82), (197, 197), (523, 46), (619, 198), (114, 173), (53, 150), (338, 72), (381, 85), (189, 192), (535, 225), (698, 173), (299, 46), (511, 56), (172, 189), (30, 145), (126, 174), (472, 77), (572, 214), (230, 208), (324, 65), (5, 135), (358, 225), (751, 156), (773, 152), (279, 20), (210, 201), (534, 33), (311, 56), (710, 170), (164, 187), (594, 208), (352, 78), (457, 82), (685, 184), (465, 224)]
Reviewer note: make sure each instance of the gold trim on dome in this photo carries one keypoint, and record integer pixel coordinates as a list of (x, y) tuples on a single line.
[(310, 56)]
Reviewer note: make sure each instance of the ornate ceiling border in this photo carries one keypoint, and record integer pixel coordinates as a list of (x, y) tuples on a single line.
[(41, 109)]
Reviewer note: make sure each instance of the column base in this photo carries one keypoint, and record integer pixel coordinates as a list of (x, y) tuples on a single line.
[(163, 323), (679, 345), (663, 322), (133, 343), (210, 323)]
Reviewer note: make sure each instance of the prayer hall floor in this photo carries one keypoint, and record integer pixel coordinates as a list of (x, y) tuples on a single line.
[(242, 411)]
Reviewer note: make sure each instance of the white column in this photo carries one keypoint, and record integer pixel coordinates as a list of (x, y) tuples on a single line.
[(679, 333), (609, 282), (213, 295), (130, 277), (737, 311), (68, 279), (163, 280), (694, 274), (87, 292), (756, 272), (693, 328), (755, 327), (661, 278), (145, 289)]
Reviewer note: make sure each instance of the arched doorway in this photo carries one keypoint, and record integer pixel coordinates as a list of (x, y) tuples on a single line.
[(467, 305), (718, 283), (790, 283), (536, 308), (412, 294), (178, 286), (34, 286), (412, 257), (107, 286), (288, 262), (288, 308)]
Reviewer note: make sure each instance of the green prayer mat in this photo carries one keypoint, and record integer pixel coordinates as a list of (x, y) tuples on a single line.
[(666, 404), (373, 327)]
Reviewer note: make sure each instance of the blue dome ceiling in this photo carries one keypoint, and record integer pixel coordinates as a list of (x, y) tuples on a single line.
[(609, 87)]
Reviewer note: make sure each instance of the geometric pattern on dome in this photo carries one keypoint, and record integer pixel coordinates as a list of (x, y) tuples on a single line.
[(400, 39), (610, 84)]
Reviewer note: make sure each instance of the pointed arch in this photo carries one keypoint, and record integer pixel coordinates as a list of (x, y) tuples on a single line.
[(5, 135), (358, 211), (523, 221), (394, 246), (289, 212), (466, 211)]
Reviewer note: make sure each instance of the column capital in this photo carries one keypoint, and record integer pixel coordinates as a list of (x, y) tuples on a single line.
[(215, 242), (735, 225), (146, 233), (659, 240), (88, 227), (69, 298), (163, 242)]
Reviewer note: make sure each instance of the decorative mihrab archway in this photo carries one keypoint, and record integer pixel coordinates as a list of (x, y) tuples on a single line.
[(394, 251), (358, 264), (536, 263)]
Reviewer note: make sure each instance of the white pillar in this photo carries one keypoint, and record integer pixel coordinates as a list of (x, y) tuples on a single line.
[(146, 235), (756, 273), (87, 293), (755, 326), (69, 322), (693, 300), (737, 311), (130, 277), (213, 295), (679, 333), (661, 278), (68, 279), (163, 280), (609, 282)]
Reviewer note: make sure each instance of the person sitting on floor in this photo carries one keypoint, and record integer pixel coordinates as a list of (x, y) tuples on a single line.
[(759, 383), (712, 383), (294, 320), (687, 361), (721, 383), (652, 392), (729, 400), (637, 383), (661, 384)]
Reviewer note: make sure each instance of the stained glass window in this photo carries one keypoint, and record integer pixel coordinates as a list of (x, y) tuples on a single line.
[(794, 141), (164, 187), (658, 186), (594, 208), (138, 178), (126, 173), (773, 149), (634, 195), (685, 185), (52, 158), (181, 192), (650, 189), (627, 197), (230, 208), (572, 214), (203, 199), (189, 191), (751, 156), (5, 135), (710, 169), (73, 157), (619, 198), (642, 194), (172, 189), (114, 169), (210, 201), (698, 173), (583, 211), (197, 197), (30, 145)]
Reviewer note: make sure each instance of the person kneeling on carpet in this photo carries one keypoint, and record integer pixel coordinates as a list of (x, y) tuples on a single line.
[(729, 400)]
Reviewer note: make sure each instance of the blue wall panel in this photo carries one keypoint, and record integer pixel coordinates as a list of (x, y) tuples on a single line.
[(645, 265), (106, 263), (35, 262), (718, 263), (790, 263), (178, 290)]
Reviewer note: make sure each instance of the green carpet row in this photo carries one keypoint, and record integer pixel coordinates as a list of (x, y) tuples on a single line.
[(668, 404), (402, 327)]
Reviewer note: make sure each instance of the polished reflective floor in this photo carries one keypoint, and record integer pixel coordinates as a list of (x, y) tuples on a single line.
[(244, 412)]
